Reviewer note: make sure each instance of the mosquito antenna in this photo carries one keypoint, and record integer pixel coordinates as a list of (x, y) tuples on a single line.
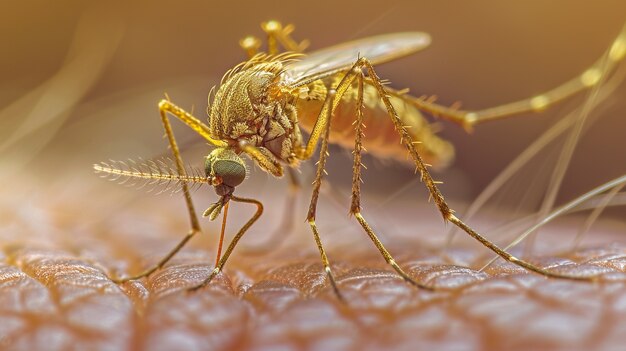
[(149, 172), (219, 247)]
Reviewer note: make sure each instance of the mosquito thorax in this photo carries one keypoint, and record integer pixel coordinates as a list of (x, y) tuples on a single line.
[(225, 170)]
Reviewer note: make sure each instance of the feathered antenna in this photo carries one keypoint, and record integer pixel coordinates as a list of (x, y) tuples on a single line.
[(156, 173)]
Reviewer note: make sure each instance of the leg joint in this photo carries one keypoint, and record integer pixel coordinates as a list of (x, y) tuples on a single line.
[(513, 259), (363, 61), (165, 104)]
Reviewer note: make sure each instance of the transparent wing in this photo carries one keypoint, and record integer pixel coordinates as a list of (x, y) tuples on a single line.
[(377, 49)]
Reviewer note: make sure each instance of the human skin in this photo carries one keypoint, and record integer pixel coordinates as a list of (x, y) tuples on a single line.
[(62, 235), (56, 295)]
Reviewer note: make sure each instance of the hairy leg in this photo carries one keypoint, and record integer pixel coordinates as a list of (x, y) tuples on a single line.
[(166, 107), (435, 193)]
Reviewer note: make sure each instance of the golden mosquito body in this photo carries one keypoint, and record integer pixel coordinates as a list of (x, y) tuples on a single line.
[(262, 105)]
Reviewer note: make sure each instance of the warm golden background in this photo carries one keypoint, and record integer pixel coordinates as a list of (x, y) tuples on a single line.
[(127, 54), (80, 82)]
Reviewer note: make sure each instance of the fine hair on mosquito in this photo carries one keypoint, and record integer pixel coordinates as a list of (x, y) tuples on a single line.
[(283, 106)]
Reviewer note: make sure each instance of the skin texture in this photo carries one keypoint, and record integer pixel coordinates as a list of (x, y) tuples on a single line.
[(55, 295), (98, 73)]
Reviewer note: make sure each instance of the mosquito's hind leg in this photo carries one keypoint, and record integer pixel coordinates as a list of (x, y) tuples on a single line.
[(431, 185), (590, 78), (166, 107), (276, 34)]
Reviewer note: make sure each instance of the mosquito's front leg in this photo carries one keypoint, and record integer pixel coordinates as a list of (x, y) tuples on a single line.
[(233, 243), (165, 107)]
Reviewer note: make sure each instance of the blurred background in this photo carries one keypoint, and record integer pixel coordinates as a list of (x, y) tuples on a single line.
[(80, 83)]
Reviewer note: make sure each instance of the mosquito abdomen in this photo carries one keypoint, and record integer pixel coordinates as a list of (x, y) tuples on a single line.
[(381, 140)]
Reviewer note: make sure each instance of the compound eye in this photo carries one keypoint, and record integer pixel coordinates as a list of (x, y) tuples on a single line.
[(225, 167), (231, 172)]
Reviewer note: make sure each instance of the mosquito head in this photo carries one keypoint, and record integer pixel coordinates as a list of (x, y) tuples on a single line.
[(225, 170)]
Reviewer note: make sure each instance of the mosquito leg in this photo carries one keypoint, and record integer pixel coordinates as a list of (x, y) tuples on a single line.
[(321, 131), (235, 240), (264, 158), (587, 80), (165, 107), (323, 119), (250, 45), (161, 263), (276, 34), (431, 185), (316, 190), (355, 207), (288, 217)]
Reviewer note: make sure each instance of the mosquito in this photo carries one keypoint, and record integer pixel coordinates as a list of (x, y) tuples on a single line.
[(262, 107)]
